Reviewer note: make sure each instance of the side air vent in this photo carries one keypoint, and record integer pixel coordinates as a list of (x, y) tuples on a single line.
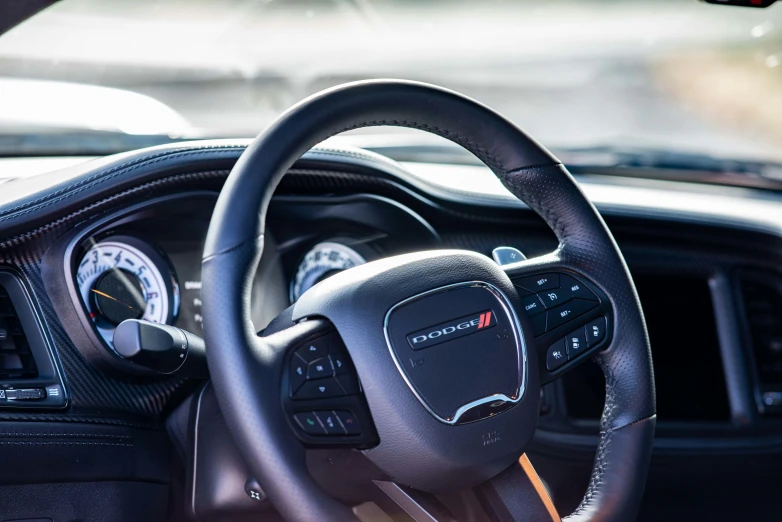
[(762, 301), (29, 377), (16, 358)]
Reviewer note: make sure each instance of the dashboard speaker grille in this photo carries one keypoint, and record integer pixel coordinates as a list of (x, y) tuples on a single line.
[(16, 358)]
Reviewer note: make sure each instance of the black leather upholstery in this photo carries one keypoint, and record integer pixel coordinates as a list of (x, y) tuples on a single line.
[(236, 237)]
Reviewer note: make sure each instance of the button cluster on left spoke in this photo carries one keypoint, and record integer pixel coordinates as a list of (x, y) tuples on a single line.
[(321, 369), (322, 396)]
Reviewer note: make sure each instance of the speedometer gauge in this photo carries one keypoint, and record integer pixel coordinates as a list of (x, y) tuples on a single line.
[(323, 260), (123, 278)]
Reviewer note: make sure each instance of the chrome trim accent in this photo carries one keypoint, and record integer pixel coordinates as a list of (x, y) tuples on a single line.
[(521, 350)]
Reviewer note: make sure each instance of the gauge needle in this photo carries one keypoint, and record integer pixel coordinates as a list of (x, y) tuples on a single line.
[(112, 298)]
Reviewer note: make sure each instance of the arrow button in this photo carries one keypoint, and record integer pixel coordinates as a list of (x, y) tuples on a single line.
[(314, 349), (340, 363), (320, 389), (298, 373)]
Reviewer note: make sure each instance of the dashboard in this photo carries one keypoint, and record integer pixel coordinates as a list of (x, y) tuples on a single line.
[(85, 248), (144, 262)]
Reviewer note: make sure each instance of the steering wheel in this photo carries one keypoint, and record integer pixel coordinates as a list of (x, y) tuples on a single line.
[(419, 375)]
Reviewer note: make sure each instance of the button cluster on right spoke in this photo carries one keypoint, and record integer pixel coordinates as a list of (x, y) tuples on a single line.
[(575, 343), (321, 369), (553, 299)]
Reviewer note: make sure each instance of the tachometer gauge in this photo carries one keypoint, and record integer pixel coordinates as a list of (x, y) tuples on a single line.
[(123, 278), (323, 260)]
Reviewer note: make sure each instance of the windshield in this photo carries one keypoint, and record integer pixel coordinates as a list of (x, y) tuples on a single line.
[(655, 74)]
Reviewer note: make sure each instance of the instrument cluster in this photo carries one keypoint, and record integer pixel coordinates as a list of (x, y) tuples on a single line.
[(145, 263)]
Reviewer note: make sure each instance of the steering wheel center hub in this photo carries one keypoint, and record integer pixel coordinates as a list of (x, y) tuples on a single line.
[(459, 348)]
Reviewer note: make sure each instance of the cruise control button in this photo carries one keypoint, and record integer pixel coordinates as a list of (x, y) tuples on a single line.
[(532, 306), (319, 368), (330, 422), (577, 288), (349, 422), (554, 298), (314, 349), (556, 355), (562, 314), (340, 363), (310, 423), (298, 373), (576, 343), (320, 389), (595, 331), (538, 283)]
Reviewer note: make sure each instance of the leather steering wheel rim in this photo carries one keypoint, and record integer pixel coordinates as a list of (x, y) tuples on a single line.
[(235, 242)]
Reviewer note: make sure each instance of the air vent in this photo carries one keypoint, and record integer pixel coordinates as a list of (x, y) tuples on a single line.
[(762, 299), (16, 358), (29, 377)]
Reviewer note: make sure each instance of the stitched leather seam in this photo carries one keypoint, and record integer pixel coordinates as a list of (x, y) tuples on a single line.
[(597, 474), (65, 443), (639, 421), (113, 172), (44, 417), (385, 163), (14, 241), (603, 447), (532, 167), (235, 247), (354, 154), (600, 464), (397, 187), (156, 159)]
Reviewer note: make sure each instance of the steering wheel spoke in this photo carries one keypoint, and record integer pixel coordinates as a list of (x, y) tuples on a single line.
[(515, 495), (518, 494), (389, 500), (568, 314)]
